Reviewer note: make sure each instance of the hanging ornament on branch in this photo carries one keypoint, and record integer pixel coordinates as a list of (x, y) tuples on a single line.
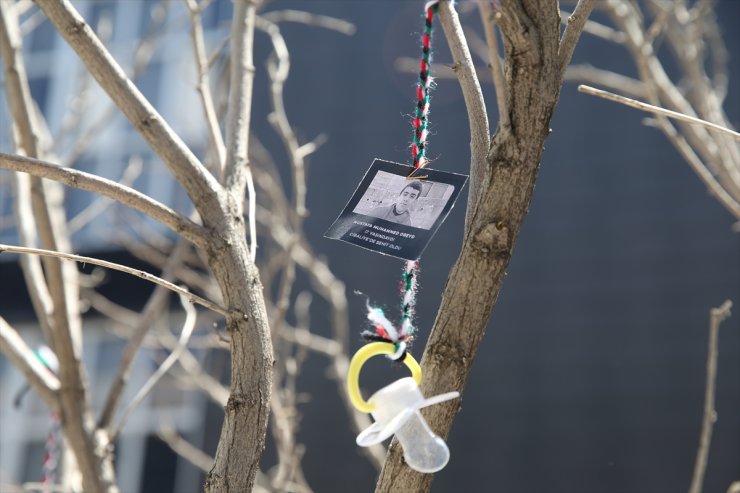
[(395, 211), (52, 445)]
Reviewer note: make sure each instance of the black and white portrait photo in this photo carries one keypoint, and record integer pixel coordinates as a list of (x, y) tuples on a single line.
[(395, 198), (394, 214)]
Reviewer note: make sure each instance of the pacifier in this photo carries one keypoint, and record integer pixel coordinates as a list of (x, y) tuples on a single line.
[(395, 409)]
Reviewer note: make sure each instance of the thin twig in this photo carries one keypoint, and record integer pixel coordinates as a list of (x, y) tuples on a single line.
[(634, 88), (152, 309), (597, 29), (194, 375), (39, 376), (489, 16), (442, 70), (81, 106), (237, 173), (97, 206), (191, 315), (193, 298), (694, 161), (572, 33), (480, 137), (33, 272), (240, 97), (656, 110), (31, 486), (251, 211), (334, 292), (716, 317), (719, 157), (309, 19), (185, 449), (204, 85)]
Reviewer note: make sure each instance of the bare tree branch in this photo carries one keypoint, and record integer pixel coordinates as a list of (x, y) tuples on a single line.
[(616, 82), (125, 195), (715, 187), (716, 317), (596, 29), (193, 298), (97, 206), (39, 376), (33, 273), (151, 310), (497, 72), (200, 185), (571, 35), (93, 460), (310, 19), (240, 97), (480, 139), (717, 151), (187, 330), (185, 449), (204, 85), (246, 417), (657, 110), (496, 210), (278, 71)]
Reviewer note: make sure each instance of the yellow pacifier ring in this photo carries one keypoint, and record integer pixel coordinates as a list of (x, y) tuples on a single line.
[(361, 356)]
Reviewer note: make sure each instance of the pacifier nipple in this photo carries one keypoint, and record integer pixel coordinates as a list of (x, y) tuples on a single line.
[(423, 450), (396, 411)]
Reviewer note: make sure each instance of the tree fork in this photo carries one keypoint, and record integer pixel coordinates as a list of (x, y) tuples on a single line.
[(534, 57)]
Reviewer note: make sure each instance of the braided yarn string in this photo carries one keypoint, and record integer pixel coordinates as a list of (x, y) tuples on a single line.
[(52, 449), (408, 291), (383, 329), (51, 453), (409, 278), (420, 121)]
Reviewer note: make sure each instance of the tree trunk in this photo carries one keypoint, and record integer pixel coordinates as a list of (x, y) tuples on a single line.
[(245, 421), (534, 72)]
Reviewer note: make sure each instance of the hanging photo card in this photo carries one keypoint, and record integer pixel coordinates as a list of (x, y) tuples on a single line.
[(395, 215)]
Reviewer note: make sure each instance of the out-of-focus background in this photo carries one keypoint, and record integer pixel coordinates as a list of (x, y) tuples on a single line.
[(591, 375)]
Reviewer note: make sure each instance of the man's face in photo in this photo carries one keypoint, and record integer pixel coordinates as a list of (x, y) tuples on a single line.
[(405, 199)]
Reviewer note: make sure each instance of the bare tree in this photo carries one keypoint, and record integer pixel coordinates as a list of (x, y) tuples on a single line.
[(502, 181), (225, 218), (215, 255)]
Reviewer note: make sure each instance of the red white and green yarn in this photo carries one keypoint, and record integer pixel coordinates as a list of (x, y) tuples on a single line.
[(383, 329), (52, 447), (420, 121), (52, 453), (409, 286)]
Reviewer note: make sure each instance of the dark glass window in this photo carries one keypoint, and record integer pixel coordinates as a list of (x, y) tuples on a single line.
[(160, 466)]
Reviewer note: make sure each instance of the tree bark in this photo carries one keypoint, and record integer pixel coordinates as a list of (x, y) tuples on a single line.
[(90, 449), (533, 71), (221, 211)]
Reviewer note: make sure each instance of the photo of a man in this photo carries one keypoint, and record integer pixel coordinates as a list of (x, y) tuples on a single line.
[(394, 215), (401, 209)]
